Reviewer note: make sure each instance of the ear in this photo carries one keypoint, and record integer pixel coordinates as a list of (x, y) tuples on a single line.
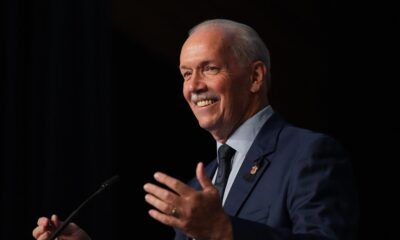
[(258, 73)]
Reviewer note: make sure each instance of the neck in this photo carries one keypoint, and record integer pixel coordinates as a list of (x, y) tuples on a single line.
[(222, 135)]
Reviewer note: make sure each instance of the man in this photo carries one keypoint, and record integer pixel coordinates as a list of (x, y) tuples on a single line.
[(279, 182)]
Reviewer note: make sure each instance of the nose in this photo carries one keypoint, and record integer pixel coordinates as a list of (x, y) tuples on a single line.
[(197, 83)]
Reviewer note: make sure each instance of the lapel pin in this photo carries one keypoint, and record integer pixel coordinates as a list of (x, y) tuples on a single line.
[(249, 176), (254, 169)]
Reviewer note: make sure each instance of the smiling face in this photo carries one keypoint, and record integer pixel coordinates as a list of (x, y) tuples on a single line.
[(221, 92)]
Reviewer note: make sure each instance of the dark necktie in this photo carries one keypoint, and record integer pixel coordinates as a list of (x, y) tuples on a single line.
[(225, 154)]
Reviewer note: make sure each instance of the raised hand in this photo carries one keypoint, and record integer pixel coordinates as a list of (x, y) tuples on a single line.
[(198, 214)]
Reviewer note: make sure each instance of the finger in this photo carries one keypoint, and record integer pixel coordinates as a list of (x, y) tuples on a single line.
[(55, 220), (201, 175), (173, 183), (165, 219), (43, 221), (39, 230), (157, 203), (44, 236), (161, 193)]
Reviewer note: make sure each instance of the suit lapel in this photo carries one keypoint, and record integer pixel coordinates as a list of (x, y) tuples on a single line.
[(254, 164), (210, 170)]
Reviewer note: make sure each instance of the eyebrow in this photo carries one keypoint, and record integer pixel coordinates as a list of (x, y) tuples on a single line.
[(183, 68), (201, 64)]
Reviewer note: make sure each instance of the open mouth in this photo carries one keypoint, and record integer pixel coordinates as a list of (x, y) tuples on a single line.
[(205, 102)]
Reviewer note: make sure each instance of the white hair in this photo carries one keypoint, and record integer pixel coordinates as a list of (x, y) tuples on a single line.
[(247, 45)]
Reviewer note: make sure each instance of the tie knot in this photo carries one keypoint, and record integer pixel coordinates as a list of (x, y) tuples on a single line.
[(225, 152)]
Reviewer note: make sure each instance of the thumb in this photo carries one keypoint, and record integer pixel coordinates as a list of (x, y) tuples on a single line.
[(204, 181), (55, 220)]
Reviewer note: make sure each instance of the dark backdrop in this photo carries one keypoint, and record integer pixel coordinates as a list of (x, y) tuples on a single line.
[(56, 113), (91, 88)]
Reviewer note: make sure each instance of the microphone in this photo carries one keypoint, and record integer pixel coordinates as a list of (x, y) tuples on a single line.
[(108, 183)]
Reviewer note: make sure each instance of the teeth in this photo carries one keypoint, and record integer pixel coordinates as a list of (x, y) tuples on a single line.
[(203, 103)]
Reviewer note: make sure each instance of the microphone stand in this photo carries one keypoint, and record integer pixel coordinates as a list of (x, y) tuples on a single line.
[(103, 186)]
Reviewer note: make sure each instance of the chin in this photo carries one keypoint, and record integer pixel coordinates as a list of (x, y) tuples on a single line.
[(208, 121), (205, 125)]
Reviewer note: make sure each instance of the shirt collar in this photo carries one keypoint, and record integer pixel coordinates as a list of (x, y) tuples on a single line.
[(244, 136)]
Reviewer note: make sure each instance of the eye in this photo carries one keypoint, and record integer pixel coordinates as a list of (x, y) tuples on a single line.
[(211, 69), (186, 74)]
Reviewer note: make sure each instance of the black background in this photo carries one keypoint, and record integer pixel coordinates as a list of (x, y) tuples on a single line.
[(91, 88)]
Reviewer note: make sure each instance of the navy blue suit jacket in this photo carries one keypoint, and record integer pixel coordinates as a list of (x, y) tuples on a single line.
[(303, 188)]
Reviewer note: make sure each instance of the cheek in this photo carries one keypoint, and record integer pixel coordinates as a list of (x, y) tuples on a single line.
[(185, 92)]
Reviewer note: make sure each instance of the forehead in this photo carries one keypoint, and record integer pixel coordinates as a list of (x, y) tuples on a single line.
[(205, 44)]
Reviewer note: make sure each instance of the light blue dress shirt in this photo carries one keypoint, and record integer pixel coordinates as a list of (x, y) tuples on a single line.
[(241, 141)]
